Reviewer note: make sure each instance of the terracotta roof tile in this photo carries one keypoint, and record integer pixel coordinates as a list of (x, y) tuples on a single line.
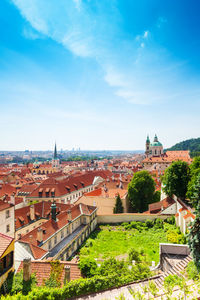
[(42, 269), (42, 209), (5, 241)]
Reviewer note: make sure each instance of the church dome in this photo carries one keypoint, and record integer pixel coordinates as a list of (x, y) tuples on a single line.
[(156, 144)]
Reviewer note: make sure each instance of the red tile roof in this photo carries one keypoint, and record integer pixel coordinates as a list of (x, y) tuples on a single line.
[(66, 186), (5, 241), (169, 157), (50, 226), (189, 214), (42, 209), (6, 189), (42, 269), (4, 205), (37, 251), (158, 206), (27, 188)]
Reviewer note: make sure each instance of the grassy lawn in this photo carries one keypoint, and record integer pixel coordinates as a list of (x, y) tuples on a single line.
[(115, 241)]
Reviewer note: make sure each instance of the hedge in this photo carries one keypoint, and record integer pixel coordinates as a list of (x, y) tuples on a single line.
[(73, 288)]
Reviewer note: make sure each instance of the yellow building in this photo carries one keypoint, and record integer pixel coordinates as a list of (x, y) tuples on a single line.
[(6, 256)]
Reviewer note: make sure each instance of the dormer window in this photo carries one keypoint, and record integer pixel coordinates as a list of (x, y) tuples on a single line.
[(47, 192), (40, 193), (76, 186), (53, 192), (68, 188)]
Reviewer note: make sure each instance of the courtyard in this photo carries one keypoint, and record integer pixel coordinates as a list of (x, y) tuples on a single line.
[(117, 240)]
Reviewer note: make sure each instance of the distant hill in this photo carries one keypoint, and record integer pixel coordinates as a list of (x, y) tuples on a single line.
[(193, 145)]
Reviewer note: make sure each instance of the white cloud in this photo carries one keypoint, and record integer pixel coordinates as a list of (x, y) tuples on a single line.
[(130, 66), (146, 33), (142, 45)]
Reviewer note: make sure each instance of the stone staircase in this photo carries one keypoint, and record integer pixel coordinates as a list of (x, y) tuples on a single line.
[(175, 270)]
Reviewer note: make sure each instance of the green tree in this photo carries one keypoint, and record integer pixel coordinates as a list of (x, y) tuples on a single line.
[(194, 229), (118, 209), (88, 266), (194, 171), (176, 179), (141, 191)]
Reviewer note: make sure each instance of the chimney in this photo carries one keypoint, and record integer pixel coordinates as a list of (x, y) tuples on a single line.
[(31, 238), (53, 211), (26, 269), (32, 212), (12, 199), (69, 215), (67, 274), (39, 235)]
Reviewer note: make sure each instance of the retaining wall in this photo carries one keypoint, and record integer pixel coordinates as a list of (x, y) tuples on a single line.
[(120, 218)]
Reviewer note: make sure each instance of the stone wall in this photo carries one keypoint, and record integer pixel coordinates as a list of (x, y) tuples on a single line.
[(120, 218)]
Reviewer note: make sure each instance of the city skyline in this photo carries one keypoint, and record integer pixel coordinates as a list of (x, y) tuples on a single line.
[(98, 74)]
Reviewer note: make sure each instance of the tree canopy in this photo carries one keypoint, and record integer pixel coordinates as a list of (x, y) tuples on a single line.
[(141, 191), (176, 179), (193, 145), (194, 171), (118, 209), (194, 230)]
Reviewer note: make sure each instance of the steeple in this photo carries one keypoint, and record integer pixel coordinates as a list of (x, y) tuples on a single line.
[(155, 138), (147, 146), (55, 152), (148, 140)]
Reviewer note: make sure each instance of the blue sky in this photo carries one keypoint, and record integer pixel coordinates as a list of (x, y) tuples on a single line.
[(98, 74)]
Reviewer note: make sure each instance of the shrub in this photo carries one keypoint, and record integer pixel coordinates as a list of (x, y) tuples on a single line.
[(170, 220), (175, 237), (88, 266), (16, 283), (149, 223), (82, 286), (134, 255), (112, 266), (158, 224), (192, 271)]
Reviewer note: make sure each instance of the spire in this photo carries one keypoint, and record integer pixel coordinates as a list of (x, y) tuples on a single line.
[(155, 138), (148, 140), (55, 152)]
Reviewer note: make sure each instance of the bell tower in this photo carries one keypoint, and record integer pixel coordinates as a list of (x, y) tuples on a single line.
[(147, 152)]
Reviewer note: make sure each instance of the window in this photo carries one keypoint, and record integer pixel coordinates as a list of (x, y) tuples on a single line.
[(7, 214), (62, 234), (7, 228), (49, 245), (55, 239)]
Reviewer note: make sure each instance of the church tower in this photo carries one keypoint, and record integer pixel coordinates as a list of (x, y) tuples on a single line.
[(55, 160), (147, 152), (55, 156)]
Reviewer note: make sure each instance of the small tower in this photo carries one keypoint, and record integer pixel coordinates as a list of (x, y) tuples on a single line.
[(147, 152), (53, 211), (55, 156), (55, 161)]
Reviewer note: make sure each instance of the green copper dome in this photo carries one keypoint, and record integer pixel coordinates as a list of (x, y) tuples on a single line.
[(155, 144)]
